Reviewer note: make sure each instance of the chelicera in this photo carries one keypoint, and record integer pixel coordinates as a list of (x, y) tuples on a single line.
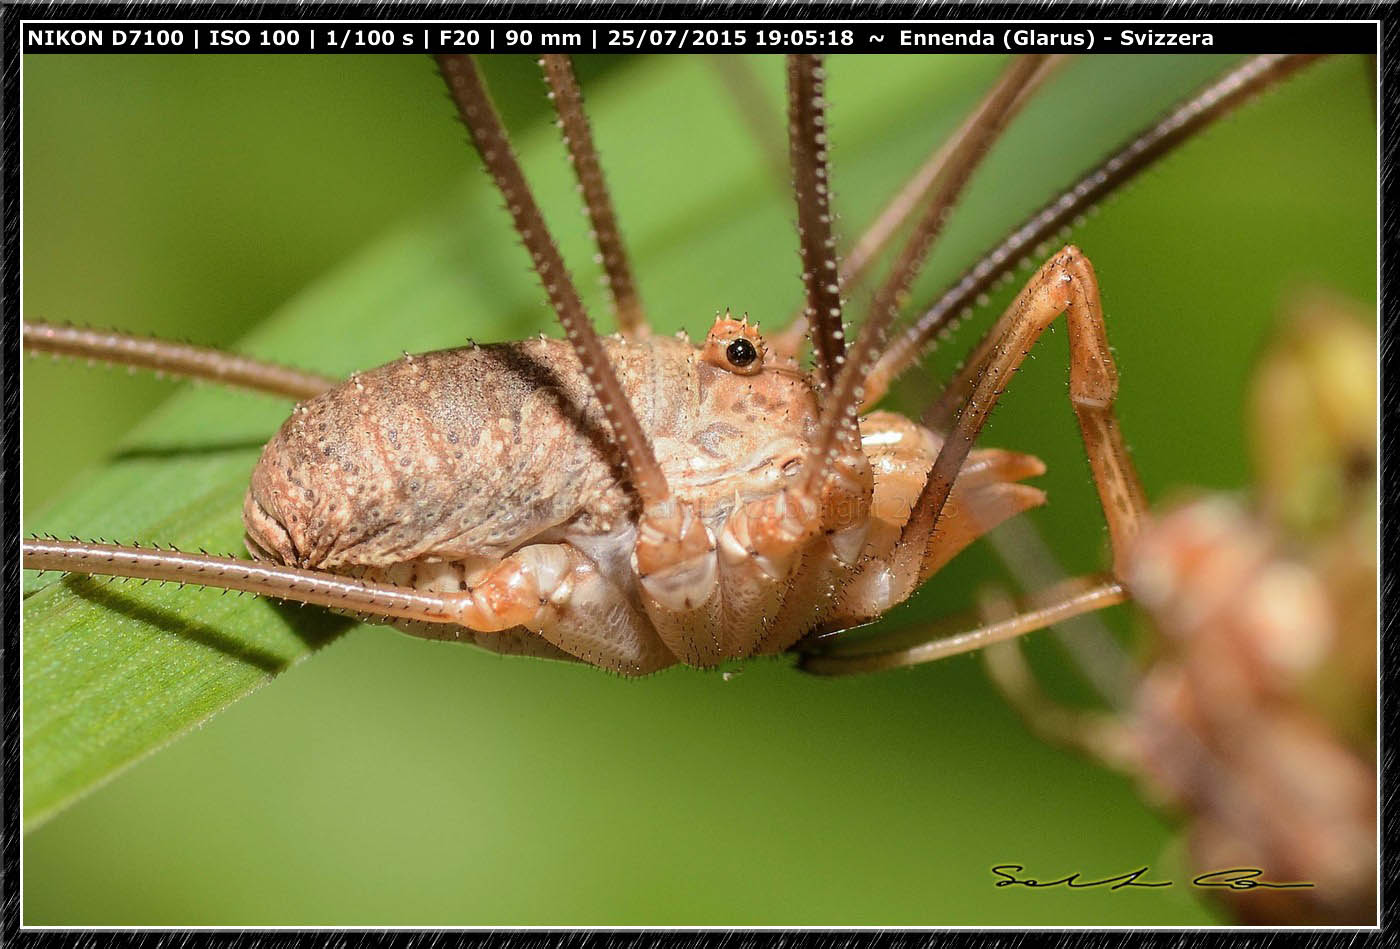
[(640, 501)]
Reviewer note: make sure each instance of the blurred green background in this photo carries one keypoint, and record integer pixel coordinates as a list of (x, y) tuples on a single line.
[(394, 781)]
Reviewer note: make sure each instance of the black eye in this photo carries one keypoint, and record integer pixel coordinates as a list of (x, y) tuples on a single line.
[(740, 353)]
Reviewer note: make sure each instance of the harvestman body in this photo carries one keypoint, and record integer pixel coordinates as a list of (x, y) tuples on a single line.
[(640, 501)]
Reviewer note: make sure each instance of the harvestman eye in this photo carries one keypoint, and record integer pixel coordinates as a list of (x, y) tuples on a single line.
[(741, 353), (734, 345)]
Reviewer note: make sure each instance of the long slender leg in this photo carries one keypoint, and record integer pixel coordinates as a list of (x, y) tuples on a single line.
[(551, 589), (807, 141), (247, 576), (1045, 608), (1183, 122), (573, 120), (917, 191), (1104, 663), (489, 137), (171, 358), (1066, 284)]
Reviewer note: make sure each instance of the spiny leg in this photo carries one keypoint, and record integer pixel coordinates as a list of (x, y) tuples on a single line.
[(970, 146), (248, 576), (573, 120), (807, 146), (1179, 125), (917, 191), (1114, 477), (171, 358), (551, 589), (489, 137), (669, 533)]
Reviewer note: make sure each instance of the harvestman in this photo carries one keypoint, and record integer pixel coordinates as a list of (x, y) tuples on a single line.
[(637, 501)]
